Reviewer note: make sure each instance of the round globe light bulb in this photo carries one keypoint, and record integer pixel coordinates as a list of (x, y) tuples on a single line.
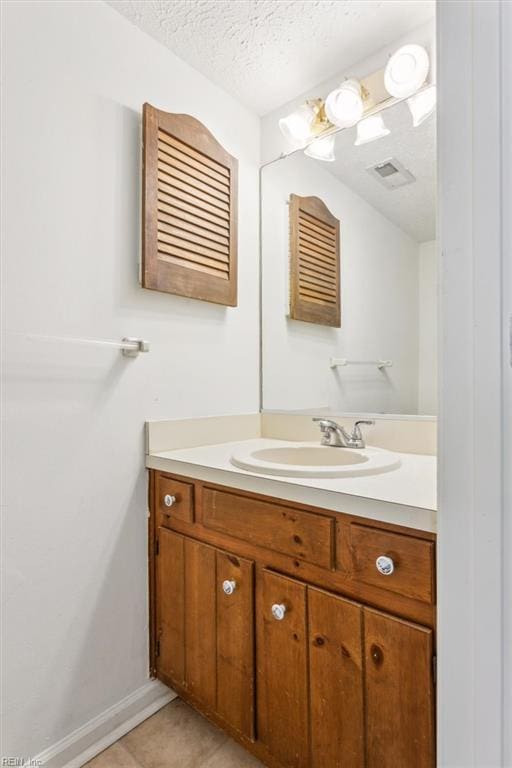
[(406, 71), (344, 106)]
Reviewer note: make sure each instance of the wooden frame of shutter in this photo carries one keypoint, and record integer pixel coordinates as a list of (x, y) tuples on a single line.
[(189, 210), (314, 262)]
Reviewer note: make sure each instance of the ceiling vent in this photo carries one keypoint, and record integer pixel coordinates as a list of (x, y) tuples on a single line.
[(391, 173)]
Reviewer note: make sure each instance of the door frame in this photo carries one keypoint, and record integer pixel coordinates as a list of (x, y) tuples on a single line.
[(473, 382)]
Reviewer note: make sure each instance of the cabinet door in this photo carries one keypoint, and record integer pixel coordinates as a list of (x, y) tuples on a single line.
[(336, 681), (170, 605), (282, 669), (235, 642), (205, 626), (399, 692), (200, 622)]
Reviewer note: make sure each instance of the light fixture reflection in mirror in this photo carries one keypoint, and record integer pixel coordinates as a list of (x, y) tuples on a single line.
[(422, 105), (297, 126), (322, 149), (406, 71), (370, 129), (344, 106)]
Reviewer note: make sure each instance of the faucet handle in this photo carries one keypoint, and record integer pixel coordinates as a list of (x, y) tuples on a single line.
[(357, 429)]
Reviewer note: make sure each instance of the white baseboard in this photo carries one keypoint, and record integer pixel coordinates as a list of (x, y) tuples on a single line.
[(99, 733)]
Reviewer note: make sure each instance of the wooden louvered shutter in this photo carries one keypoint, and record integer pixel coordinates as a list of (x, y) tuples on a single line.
[(314, 262), (189, 210)]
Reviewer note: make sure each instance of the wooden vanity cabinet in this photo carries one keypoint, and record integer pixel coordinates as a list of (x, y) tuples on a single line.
[(311, 668)]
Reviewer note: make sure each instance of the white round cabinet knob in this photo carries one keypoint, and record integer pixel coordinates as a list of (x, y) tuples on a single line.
[(228, 587), (169, 500), (278, 611), (385, 565)]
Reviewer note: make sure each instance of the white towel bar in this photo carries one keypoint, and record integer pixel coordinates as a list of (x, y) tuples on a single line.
[(130, 347), (341, 362)]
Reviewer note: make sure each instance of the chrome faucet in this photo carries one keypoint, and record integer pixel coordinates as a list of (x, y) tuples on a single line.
[(337, 436)]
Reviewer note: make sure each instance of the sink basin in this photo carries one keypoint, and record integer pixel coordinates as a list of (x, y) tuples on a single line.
[(278, 457)]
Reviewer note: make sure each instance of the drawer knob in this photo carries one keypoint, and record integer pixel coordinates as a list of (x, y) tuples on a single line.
[(228, 586), (385, 565), (278, 611), (169, 500)]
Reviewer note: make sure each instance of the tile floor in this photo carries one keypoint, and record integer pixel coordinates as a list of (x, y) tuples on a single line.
[(175, 737)]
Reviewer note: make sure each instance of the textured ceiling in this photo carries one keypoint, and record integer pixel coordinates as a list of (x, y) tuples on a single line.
[(412, 207), (266, 52)]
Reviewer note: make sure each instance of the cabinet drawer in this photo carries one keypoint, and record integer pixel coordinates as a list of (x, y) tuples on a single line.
[(409, 560), (302, 535), (173, 500)]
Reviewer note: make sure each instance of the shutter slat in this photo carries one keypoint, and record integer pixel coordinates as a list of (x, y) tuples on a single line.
[(312, 222), (322, 235), (308, 284), (193, 258), (185, 149), (186, 264), (311, 264), (318, 256), (184, 242), (168, 174), (178, 189), (309, 275), (171, 156), (192, 215), (318, 245), (194, 234), (320, 298)]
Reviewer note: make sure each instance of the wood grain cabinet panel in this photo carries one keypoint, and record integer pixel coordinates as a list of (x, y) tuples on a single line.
[(170, 605), (336, 681), (283, 723), (399, 692), (302, 535), (200, 622), (235, 642), (413, 559)]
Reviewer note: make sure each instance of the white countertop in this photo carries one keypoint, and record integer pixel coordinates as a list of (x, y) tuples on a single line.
[(403, 496)]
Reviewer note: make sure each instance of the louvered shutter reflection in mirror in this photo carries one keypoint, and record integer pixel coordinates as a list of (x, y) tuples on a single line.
[(189, 210), (314, 262)]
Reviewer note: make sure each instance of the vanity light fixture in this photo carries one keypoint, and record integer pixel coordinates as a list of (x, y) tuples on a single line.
[(369, 129), (310, 126), (422, 105), (344, 106), (322, 149), (406, 71)]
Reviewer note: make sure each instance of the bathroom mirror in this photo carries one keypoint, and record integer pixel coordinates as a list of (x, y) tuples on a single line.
[(382, 357)]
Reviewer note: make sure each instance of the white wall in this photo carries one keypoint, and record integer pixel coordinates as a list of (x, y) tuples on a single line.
[(427, 327), (75, 77), (379, 304)]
